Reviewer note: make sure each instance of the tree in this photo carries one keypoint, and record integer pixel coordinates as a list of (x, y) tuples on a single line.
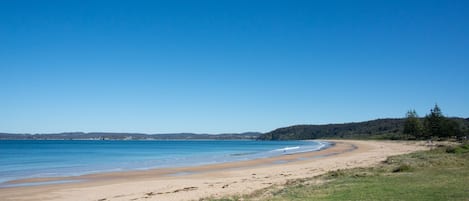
[(437, 125), (433, 123), (451, 128), (412, 126)]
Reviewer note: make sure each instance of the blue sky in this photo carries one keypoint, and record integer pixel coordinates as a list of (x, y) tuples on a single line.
[(227, 66)]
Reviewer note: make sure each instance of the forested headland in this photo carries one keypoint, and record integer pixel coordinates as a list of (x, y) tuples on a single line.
[(434, 125)]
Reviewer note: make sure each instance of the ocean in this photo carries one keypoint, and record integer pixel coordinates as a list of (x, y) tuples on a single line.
[(20, 159)]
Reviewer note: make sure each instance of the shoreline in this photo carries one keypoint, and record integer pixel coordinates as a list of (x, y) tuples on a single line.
[(164, 171), (196, 182), (178, 170), (140, 158)]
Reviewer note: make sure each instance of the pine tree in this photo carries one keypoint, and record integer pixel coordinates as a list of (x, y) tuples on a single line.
[(434, 123)]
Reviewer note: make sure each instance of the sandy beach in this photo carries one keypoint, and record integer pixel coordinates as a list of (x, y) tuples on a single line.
[(193, 183)]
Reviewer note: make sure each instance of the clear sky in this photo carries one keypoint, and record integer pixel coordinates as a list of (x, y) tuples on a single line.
[(227, 66)]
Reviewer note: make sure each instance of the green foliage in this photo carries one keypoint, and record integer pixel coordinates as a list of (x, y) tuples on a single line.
[(437, 125), (412, 127), (375, 129), (451, 128), (458, 149), (434, 125)]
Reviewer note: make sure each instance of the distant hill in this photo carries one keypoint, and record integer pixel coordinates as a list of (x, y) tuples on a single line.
[(127, 136), (375, 129)]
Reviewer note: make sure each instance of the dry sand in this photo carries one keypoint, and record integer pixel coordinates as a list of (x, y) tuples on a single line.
[(193, 183)]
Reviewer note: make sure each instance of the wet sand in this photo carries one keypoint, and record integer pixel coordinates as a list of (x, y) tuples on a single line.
[(193, 183)]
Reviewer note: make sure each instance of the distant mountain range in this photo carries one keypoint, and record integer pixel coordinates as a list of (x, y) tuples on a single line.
[(127, 136), (374, 129)]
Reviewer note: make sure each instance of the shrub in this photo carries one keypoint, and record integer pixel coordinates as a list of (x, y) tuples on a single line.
[(402, 168), (336, 173), (451, 149), (458, 150)]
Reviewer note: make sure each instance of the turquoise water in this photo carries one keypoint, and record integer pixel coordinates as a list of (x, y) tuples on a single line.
[(52, 158)]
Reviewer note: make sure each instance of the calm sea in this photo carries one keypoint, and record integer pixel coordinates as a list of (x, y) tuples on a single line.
[(51, 158)]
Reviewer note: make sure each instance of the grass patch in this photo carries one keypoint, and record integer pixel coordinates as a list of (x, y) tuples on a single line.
[(439, 174)]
